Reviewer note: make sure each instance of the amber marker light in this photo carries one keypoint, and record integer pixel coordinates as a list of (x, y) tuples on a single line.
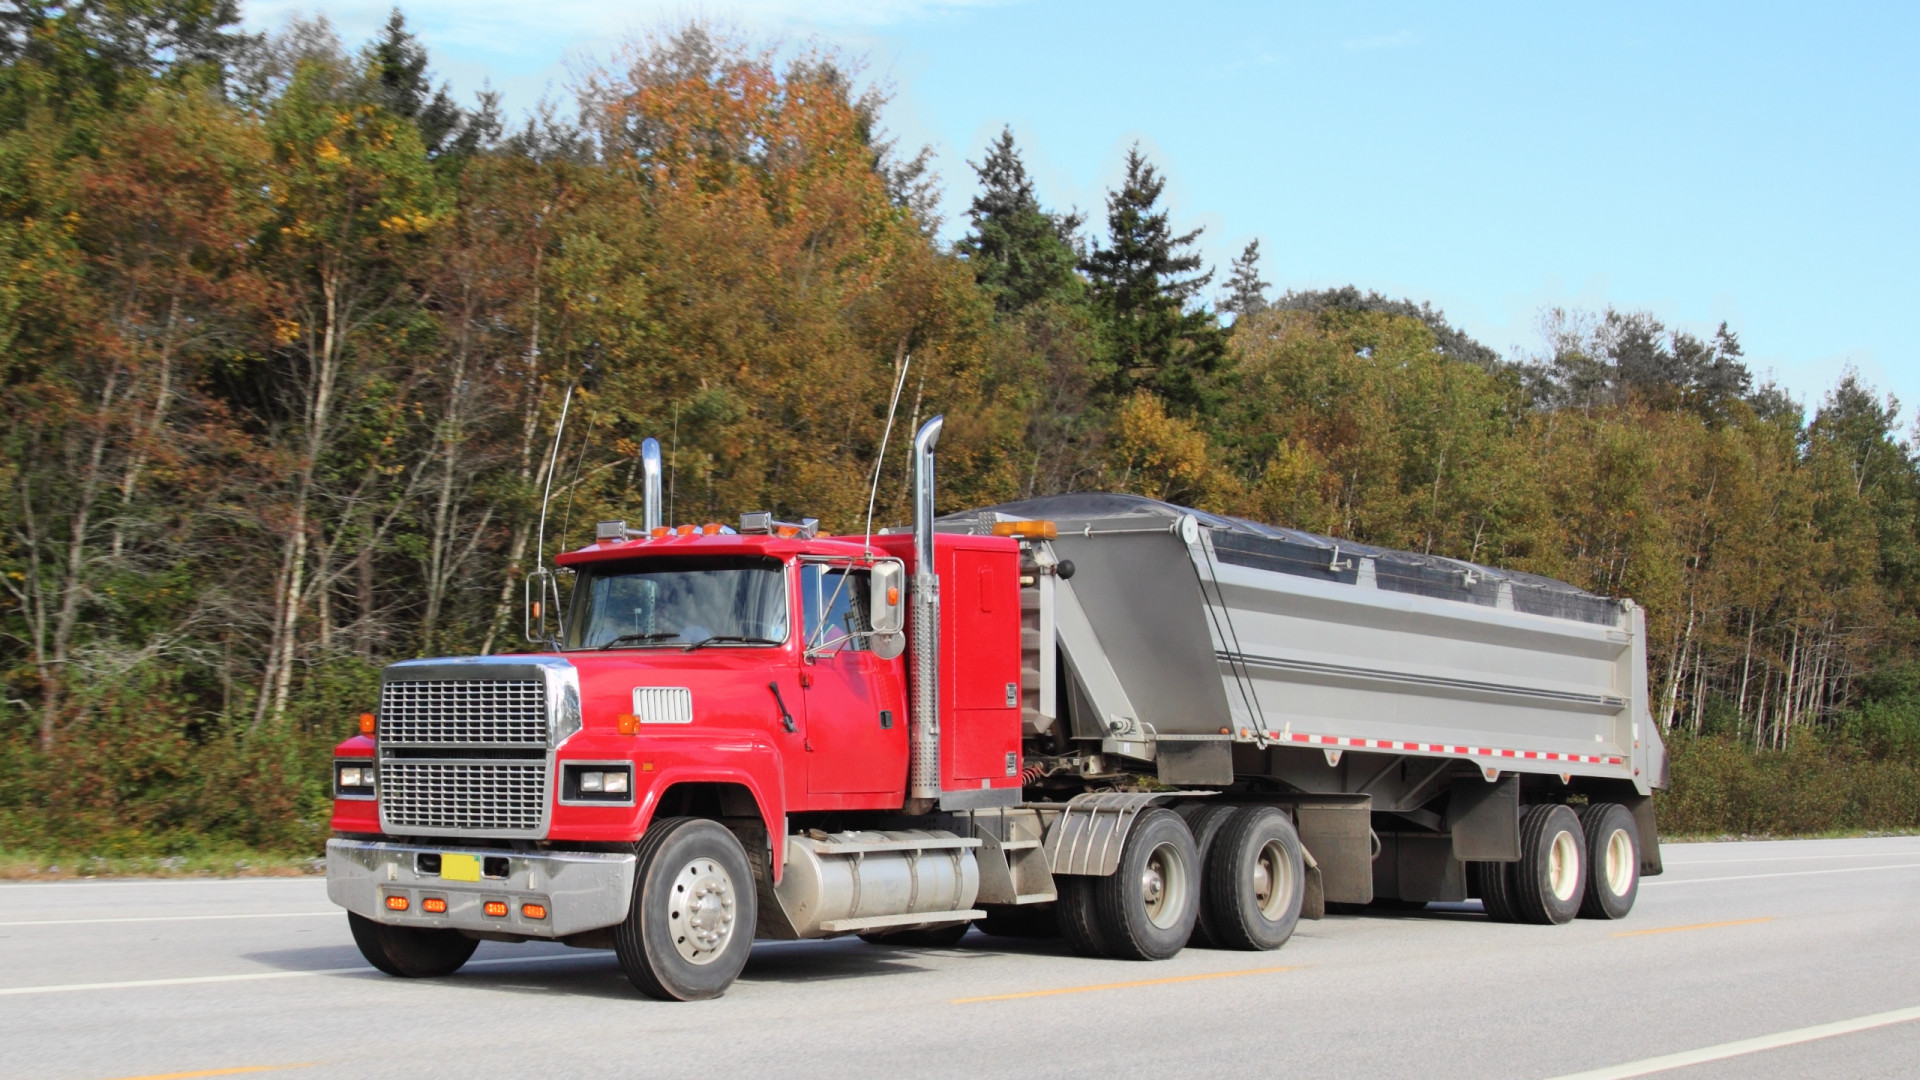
[(497, 908), (433, 905), (627, 723), (366, 723), (396, 903), (1035, 530), (534, 911)]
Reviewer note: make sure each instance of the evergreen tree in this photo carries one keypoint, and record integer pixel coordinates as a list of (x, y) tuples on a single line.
[(1020, 253), (397, 64), (1246, 294), (1141, 284)]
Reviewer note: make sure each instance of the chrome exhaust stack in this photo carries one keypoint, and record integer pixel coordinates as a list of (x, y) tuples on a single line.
[(650, 465), (923, 773)]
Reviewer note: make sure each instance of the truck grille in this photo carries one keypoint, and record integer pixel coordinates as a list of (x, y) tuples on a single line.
[(476, 796), (492, 712), (464, 756)]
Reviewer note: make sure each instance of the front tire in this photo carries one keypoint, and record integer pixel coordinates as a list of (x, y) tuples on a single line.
[(1613, 861), (1550, 880), (1255, 880), (1146, 908), (410, 952), (691, 925)]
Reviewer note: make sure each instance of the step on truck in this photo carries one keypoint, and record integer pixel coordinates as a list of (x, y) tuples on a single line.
[(1126, 723)]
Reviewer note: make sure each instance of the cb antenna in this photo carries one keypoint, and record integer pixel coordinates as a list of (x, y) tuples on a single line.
[(898, 382), (541, 578)]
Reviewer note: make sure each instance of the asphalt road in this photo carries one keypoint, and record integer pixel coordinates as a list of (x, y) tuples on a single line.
[(1753, 941)]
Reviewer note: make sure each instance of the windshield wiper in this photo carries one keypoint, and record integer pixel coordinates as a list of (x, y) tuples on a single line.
[(739, 639), (634, 639)]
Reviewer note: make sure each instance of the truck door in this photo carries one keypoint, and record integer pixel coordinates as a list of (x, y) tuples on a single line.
[(856, 724)]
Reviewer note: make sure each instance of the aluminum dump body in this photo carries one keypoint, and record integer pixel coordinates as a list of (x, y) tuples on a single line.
[(1179, 628)]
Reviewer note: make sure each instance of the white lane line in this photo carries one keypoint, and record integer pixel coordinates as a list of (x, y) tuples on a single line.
[(1671, 863), (257, 976), (173, 918), (1782, 873), (1665, 1062), (313, 879)]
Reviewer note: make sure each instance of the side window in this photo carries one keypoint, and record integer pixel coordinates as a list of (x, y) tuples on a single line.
[(834, 603)]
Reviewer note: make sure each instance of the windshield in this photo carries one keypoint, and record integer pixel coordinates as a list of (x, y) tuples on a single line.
[(682, 601)]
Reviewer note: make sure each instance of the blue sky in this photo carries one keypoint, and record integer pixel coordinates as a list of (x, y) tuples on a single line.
[(1750, 163)]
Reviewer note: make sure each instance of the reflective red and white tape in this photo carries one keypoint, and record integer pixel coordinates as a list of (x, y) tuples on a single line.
[(1441, 748)]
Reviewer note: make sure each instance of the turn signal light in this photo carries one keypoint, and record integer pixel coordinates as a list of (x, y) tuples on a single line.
[(396, 903), (366, 723), (893, 596), (533, 911), (627, 723), (497, 908), (433, 905)]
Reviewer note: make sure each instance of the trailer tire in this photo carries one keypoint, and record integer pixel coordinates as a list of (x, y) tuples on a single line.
[(1613, 861), (690, 927), (920, 937), (410, 952), (1204, 820), (1550, 880), (1492, 882), (1255, 880), (1074, 912), (1145, 909)]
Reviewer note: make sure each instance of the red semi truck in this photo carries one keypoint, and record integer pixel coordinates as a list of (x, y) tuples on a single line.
[(765, 732)]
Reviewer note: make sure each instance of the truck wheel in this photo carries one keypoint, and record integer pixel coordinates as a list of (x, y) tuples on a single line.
[(1613, 861), (1492, 882), (410, 952), (690, 928), (1146, 909), (1550, 878), (1204, 821), (920, 937), (1255, 880), (1074, 911)]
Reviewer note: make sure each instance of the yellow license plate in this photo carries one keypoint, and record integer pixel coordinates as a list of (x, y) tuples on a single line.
[(459, 867)]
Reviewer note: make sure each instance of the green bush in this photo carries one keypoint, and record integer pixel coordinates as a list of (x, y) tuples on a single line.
[(1819, 784)]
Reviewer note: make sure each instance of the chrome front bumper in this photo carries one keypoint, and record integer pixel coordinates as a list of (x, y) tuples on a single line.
[(580, 890)]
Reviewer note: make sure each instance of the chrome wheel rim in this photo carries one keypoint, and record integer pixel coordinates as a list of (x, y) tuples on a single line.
[(1621, 864), (1163, 886), (701, 910), (1273, 881), (1563, 867)]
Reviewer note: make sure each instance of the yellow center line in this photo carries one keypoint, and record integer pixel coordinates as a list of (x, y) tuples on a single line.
[(1121, 985), (1693, 926), (222, 1072)]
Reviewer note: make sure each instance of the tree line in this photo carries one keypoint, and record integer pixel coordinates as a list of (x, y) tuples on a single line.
[(288, 331)]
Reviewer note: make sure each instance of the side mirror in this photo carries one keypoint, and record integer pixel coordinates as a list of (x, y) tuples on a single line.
[(888, 598)]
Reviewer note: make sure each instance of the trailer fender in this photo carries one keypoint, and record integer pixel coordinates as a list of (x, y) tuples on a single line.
[(1088, 835)]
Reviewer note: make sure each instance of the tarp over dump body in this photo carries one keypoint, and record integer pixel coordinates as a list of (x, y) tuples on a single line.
[(1179, 627)]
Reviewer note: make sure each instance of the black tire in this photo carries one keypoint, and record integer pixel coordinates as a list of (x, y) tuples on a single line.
[(1255, 879), (410, 952), (1147, 907), (1029, 921), (920, 937), (1492, 882), (1074, 913), (1613, 861), (1550, 879), (1204, 821), (693, 880)]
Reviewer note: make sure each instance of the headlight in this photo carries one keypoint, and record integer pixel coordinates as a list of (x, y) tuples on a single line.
[(597, 783), (353, 779)]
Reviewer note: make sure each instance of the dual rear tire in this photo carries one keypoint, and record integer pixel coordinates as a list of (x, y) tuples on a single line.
[(1583, 864), (1242, 890)]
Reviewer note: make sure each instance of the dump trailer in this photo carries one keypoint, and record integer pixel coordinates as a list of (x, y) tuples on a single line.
[(1126, 723)]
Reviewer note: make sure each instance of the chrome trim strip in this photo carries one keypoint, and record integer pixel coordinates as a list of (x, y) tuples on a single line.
[(1604, 702)]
